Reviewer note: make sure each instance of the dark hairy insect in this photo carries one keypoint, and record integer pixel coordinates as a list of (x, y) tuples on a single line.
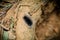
[(27, 20)]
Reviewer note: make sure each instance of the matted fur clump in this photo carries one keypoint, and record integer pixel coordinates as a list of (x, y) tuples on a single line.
[(49, 28)]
